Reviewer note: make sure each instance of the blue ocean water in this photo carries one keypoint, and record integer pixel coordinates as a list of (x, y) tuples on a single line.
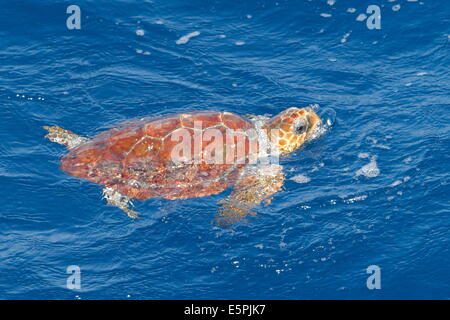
[(374, 190)]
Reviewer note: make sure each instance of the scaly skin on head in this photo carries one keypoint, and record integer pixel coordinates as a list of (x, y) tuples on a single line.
[(292, 127)]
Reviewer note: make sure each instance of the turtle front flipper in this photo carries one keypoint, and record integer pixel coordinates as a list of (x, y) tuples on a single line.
[(115, 198), (256, 184), (64, 137)]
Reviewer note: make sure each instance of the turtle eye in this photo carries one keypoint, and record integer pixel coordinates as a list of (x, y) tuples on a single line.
[(300, 127)]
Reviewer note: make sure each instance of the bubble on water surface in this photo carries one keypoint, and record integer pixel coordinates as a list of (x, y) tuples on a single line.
[(396, 7)]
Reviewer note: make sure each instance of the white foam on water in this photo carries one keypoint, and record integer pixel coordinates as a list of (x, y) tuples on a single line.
[(140, 51), (300, 178), (395, 183), (320, 130), (400, 181), (185, 39), (140, 32), (351, 10), (421, 73), (328, 117), (363, 155), (249, 16), (361, 17), (239, 43), (317, 167), (396, 7), (370, 170), (372, 140), (325, 15), (331, 2), (382, 146), (408, 160), (358, 198), (345, 37)]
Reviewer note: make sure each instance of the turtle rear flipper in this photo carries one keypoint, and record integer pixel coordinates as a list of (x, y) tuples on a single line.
[(64, 137)]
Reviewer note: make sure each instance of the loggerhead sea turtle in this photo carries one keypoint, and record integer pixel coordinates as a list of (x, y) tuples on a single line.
[(189, 155)]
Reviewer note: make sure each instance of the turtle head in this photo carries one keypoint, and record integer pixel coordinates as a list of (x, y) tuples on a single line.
[(292, 127)]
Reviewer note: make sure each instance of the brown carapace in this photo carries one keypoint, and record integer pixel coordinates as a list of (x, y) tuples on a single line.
[(187, 155)]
